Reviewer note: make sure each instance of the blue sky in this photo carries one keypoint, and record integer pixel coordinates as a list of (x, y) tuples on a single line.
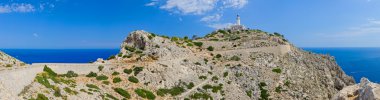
[(58, 24)]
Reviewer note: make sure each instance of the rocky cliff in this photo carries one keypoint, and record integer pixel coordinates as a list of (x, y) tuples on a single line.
[(248, 64), (365, 90), (8, 62)]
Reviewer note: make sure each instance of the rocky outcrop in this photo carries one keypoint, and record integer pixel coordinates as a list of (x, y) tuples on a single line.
[(365, 90), (8, 62), (247, 64)]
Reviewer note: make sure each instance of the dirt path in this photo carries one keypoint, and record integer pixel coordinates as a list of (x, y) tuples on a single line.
[(12, 82)]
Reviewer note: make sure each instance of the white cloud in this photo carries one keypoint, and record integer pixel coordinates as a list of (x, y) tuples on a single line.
[(220, 25), (234, 3), (35, 35), (371, 27), (15, 7), (212, 18), (196, 7)]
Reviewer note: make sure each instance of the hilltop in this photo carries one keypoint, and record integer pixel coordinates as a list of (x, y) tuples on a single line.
[(225, 64), (9, 62)]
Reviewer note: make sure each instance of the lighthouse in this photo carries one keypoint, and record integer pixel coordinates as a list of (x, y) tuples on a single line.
[(237, 26), (238, 20)]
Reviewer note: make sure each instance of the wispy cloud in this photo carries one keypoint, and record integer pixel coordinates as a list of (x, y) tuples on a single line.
[(219, 25), (17, 7), (371, 27), (211, 18), (35, 35), (210, 10)]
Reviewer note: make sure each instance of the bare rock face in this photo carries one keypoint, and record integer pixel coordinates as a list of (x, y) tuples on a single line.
[(244, 65), (8, 62), (365, 90)]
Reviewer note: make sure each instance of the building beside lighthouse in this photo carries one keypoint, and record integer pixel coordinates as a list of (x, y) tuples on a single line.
[(237, 26)]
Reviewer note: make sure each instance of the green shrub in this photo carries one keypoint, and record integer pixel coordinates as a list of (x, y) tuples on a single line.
[(214, 39), (214, 78), (197, 63), (287, 83), (174, 38), (68, 90), (41, 97), (70, 74), (8, 65), (115, 73), (133, 79), (235, 58), (278, 89), (92, 86), (174, 91), (111, 57), (123, 93), (43, 81), (145, 94), (264, 95), (111, 96), (210, 48), (137, 70), (116, 80), (101, 67), (49, 71), (128, 71), (203, 77), (199, 44), (190, 85), (277, 70), (189, 44), (120, 54), (91, 74), (139, 51), (249, 93), (101, 77), (225, 74), (106, 82), (207, 86), (203, 96), (131, 49), (218, 56)]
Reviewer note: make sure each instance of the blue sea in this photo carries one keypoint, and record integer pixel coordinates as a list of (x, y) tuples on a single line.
[(357, 62), (60, 55)]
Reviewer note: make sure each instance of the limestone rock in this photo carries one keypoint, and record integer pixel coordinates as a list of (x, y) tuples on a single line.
[(365, 90)]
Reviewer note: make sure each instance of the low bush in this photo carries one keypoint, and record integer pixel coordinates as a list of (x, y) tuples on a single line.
[(225, 74), (190, 85), (92, 86), (174, 91), (100, 68), (116, 80), (203, 77), (111, 57), (218, 56), (70, 74), (278, 89), (203, 96), (122, 92), (115, 73), (91, 74), (137, 70), (145, 94), (111, 96), (235, 58), (131, 49), (8, 65), (41, 97), (106, 82), (276, 70), (69, 91), (101, 77), (128, 71), (133, 79), (49, 71), (199, 44), (210, 48)]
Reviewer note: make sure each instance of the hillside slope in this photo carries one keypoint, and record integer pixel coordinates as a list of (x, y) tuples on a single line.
[(8, 62), (248, 64)]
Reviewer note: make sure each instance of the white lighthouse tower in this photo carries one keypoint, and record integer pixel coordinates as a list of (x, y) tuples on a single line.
[(238, 20), (237, 26)]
